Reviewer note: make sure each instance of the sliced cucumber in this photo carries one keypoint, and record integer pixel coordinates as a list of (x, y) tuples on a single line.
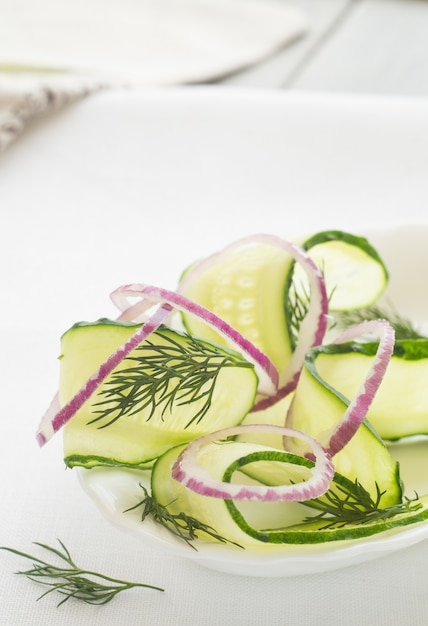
[(216, 458), (400, 407), (318, 406), (314, 529), (178, 499), (246, 288), (354, 272), (255, 524), (262, 293), (275, 414), (170, 390)]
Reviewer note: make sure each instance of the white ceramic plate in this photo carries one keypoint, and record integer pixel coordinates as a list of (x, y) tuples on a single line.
[(116, 490)]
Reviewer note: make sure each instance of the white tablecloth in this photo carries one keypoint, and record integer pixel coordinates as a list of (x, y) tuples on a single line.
[(53, 53), (130, 187)]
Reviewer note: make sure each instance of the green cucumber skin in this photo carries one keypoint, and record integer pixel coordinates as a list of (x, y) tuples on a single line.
[(75, 460), (300, 535), (313, 532), (102, 321), (349, 238), (406, 349)]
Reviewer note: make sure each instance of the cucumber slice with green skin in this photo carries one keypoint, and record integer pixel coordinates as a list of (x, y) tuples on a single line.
[(315, 529), (170, 390), (177, 498), (400, 407), (261, 292), (216, 458), (353, 270), (256, 524), (318, 406)]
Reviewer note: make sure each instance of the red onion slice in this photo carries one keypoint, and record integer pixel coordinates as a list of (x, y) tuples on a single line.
[(192, 475), (54, 419), (345, 429), (314, 325), (265, 369)]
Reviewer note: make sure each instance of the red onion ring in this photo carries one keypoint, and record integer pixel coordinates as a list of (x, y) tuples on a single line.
[(314, 325), (54, 419), (189, 473), (342, 432), (265, 369)]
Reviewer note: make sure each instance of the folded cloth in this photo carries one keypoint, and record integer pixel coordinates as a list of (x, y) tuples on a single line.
[(24, 99), (52, 51)]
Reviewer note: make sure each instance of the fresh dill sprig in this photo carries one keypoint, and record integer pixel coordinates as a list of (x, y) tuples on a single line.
[(353, 504), (70, 580), (297, 303), (297, 306), (184, 373), (180, 524), (404, 328)]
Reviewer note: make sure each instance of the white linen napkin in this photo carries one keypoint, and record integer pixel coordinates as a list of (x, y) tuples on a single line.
[(54, 51)]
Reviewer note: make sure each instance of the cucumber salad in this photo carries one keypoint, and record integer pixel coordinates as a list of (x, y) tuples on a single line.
[(260, 396)]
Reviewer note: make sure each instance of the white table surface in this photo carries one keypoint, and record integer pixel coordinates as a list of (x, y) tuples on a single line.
[(64, 247), (356, 46)]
